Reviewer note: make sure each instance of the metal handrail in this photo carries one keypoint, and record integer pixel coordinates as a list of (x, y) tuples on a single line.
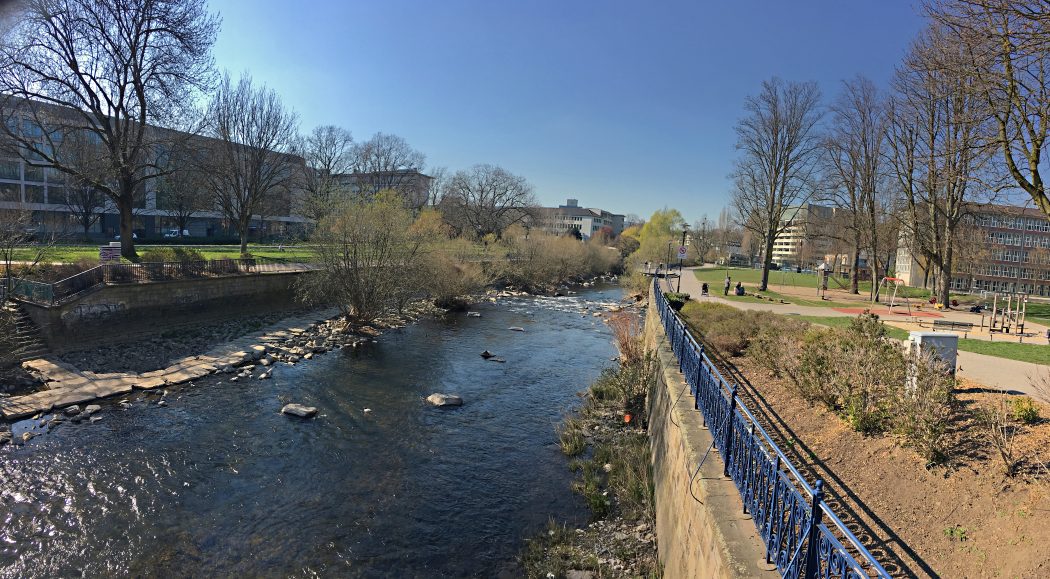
[(802, 534)]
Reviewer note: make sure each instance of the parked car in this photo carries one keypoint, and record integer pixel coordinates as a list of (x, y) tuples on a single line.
[(175, 233)]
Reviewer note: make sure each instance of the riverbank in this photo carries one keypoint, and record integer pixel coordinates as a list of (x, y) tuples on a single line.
[(217, 482), (608, 443)]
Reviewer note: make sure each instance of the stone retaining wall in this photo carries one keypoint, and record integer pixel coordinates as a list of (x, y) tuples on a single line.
[(701, 528), (117, 311)]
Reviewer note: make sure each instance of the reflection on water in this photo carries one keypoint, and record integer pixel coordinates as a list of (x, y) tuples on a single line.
[(219, 483)]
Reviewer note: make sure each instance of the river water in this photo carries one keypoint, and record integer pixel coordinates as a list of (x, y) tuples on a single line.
[(218, 483)]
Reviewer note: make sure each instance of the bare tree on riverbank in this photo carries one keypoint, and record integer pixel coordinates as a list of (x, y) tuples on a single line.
[(779, 148), (102, 68), (487, 199), (252, 160)]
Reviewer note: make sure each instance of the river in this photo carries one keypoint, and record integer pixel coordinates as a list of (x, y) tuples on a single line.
[(218, 483)]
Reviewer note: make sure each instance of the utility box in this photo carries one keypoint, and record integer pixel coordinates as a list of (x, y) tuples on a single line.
[(943, 345)]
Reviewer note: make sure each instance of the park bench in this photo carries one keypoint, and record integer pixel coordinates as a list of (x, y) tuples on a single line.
[(964, 327)]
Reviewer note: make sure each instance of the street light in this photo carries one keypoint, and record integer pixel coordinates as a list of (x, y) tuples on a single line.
[(681, 257)]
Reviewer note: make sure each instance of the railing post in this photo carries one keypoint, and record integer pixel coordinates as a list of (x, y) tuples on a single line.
[(812, 548), (726, 451), (772, 505)]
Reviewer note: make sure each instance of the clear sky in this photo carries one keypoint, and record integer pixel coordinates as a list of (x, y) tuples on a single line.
[(627, 106)]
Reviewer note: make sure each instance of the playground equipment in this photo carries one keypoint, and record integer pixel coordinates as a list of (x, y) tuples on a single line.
[(897, 283), (1012, 315)]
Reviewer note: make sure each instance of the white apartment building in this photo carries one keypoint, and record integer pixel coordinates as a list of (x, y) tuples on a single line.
[(587, 221)]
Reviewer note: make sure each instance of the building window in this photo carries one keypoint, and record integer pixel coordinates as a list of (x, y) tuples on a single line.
[(34, 194), (10, 169), (10, 192)]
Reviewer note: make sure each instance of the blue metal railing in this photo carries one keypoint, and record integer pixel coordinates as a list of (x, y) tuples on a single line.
[(802, 535)]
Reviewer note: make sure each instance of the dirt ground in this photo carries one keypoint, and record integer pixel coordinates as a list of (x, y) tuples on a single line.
[(961, 519)]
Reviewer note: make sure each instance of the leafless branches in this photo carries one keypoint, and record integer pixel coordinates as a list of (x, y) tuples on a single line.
[(487, 199), (1005, 47), (779, 145), (103, 68), (255, 135), (328, 154)]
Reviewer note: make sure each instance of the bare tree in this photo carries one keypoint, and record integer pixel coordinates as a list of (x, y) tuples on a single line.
[(1006, 49), (854, 158), (104, 68), (328, 154), (937, 139), (253, 161), (779, 148), (389, 162), (487, 199), (183, 189)]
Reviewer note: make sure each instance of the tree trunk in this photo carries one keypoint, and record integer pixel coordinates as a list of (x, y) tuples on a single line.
[(127, 235), (944, 280), (854, 266), (767, 260)]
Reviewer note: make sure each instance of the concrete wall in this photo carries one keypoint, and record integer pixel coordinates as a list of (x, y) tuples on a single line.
[(701, 528), (114, 312)]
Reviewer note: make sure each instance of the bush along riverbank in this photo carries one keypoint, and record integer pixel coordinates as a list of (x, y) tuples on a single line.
[(608, 445)]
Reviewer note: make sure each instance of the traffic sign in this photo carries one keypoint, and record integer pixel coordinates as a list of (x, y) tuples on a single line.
[(683, 251)]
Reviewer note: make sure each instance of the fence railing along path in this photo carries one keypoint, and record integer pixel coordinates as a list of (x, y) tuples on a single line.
[(802, 535), (75, 285)]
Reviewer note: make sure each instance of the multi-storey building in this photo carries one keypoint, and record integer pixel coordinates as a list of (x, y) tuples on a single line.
[(1009, 252), (42, 189), (587, 221), (799, 244)]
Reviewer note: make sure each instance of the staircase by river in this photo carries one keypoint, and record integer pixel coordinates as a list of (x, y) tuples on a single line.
[(25, 343)]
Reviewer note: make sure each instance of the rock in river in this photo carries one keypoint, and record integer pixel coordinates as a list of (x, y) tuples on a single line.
[(72, 410), (438, 399), (486, 355), (91, 409), (516, 329), (299, 410)]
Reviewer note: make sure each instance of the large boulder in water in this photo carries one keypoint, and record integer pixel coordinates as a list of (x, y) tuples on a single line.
[(438, 399), (299, 410)]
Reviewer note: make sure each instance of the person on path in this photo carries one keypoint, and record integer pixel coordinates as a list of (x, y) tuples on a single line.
[(703, 292), (729, 282)]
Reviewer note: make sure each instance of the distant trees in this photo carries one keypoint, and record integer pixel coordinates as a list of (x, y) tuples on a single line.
[(104, 68), (183, 185), (486, 200), (388, 162), (779, 145), (328, 152), (252, 161)]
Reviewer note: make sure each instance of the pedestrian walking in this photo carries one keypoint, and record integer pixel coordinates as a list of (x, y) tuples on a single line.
[(729, 282)]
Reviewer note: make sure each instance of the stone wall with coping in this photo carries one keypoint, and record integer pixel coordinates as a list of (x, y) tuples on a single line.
[(114, 312), (701, 527)]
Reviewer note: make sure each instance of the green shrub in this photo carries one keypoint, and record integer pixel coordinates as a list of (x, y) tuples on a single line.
[(776, 344), (924, 406), (813, 369), (1023, 410)]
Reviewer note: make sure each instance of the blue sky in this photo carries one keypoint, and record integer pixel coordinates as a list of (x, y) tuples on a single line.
[(628, 106)]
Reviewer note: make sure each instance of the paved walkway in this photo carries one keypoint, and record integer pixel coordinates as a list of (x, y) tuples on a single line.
[(65, 385), (988, 371)]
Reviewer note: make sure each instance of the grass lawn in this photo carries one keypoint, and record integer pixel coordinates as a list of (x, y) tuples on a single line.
[(785, 278), (1011, 350), (72, 253), (1035, 353), (844, 322)]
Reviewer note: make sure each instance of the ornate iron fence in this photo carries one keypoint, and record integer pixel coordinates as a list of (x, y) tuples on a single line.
[(802, 535)]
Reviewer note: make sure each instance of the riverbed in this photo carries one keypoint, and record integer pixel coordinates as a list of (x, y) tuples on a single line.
[(216, 482)]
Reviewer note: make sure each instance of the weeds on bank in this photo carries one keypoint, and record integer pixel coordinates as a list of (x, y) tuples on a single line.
[(614, 474)]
